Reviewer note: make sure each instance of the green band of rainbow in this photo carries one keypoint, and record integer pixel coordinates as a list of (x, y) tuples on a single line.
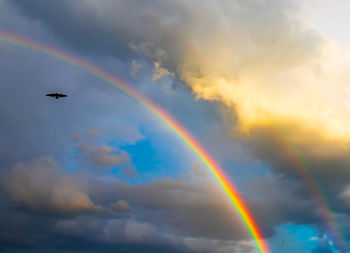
[(160, 114)]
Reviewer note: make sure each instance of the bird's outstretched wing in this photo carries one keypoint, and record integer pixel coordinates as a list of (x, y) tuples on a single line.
[(62, 95), (51, 95)]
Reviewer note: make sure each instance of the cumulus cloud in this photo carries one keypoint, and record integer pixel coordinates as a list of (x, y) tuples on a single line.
[(41, 186), (100, 155)]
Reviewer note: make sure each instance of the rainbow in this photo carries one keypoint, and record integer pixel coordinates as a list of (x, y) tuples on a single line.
[(170, 122), (313, 188)]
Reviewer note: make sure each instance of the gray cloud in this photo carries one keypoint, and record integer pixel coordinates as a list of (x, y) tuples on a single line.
[(120, 231), (111, 230), (102, 155), (71, 207), (120, 206), (177, 209), (195, 209), (41, 186)]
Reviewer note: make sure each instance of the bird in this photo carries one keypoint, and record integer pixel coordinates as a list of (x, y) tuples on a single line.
[(56, 95)]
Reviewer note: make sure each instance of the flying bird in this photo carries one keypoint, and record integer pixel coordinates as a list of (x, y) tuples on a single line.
[(56, 95)]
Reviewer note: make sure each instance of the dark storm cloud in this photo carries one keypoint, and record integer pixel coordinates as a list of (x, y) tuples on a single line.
[(100, 27)]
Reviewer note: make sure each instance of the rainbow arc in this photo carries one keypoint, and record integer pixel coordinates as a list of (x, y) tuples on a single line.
[(163, 116)]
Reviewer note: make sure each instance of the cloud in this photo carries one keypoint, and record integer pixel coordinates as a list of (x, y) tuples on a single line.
[(166, 212), (116, 235), (102, 156), (259, 60), (344, 200), (135, 68), (124, 132), (120, 206), (111, 230), (159, 72), (197, 173), (182, 206), (218, 246), (42, 187), (248, 55), (93, 132), (130, 173), (72, 209), (117, 231), (139, 231)]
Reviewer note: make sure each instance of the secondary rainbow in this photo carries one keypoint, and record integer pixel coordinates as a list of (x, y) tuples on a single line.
[(313, 188), (180, 131)]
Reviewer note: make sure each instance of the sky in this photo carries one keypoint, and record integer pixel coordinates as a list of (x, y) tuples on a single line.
[(261, 84)]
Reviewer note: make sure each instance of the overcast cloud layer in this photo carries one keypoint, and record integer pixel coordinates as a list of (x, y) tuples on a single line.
[(279, 85)]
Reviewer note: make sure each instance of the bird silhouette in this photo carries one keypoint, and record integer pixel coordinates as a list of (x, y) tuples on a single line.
[(56, 95)]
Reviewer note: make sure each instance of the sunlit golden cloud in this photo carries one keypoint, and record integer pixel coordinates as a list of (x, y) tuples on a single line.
[(283, 75)]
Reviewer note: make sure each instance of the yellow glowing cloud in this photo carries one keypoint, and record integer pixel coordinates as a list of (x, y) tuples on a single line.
[(275, 84)]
